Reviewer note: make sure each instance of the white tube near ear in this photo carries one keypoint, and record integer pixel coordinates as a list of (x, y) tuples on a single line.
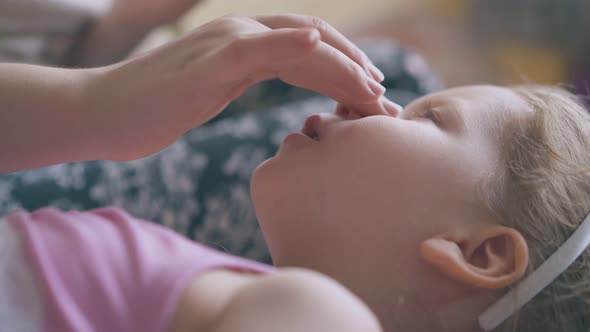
[(532, 285)]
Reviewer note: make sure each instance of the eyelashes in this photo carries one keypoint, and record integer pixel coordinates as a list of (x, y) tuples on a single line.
[(429, 113), (423, 110)]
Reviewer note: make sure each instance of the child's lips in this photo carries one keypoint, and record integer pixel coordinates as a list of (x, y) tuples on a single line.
[(311, 128)]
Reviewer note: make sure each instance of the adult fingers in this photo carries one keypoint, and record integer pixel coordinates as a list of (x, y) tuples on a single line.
[(256, 56), (331, 73), (297, 57), (329, 35)]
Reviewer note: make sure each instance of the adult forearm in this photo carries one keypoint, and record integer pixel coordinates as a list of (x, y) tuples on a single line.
[(106, 42), (41, 117), (138, 107)]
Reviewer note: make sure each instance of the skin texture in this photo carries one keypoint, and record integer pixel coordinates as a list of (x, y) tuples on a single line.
[(195, 77), (378, 201), (290, 300), (105, 113)]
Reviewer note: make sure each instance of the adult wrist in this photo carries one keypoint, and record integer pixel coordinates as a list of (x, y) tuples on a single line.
[(90, 121)]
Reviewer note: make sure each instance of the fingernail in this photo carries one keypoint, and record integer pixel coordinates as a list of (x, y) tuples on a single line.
[(307, 37), (393, 108), (376, 88), (376, 73)]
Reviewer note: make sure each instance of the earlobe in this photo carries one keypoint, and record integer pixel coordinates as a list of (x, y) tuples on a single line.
[(489, 257)]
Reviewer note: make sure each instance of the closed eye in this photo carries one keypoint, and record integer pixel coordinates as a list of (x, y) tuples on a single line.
[(423, 110), (429, 113)]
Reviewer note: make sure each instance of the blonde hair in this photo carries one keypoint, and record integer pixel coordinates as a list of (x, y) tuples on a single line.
[(543, 191)]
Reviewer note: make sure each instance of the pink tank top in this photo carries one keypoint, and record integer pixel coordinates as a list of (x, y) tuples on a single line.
[(104, 270)]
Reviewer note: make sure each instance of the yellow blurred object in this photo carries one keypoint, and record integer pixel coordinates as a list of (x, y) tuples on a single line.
[(455, 8), (519, 64), (340, 14), (439, 29)]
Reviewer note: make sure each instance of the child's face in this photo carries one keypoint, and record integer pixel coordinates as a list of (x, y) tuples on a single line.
[(358, 202)]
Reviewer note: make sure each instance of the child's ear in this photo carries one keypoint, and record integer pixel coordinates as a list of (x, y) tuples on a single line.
[(490, 256)]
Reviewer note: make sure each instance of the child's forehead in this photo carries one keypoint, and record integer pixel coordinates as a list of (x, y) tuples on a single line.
[(482, 111)]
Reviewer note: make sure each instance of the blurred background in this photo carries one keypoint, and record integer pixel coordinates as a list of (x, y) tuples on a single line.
[(466, 41)]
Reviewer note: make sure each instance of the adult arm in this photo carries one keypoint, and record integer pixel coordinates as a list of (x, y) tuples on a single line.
[(41, 118), (138, 107)]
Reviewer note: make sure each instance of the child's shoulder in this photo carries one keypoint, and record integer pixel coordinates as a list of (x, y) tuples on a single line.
[(289, 300)]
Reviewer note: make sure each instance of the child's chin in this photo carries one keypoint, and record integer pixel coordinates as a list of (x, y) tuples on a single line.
[(264, 170), (259, 173), (261, 183)]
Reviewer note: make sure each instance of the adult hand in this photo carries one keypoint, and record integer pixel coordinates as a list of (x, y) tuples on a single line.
[(140, 106), (149, 13)]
